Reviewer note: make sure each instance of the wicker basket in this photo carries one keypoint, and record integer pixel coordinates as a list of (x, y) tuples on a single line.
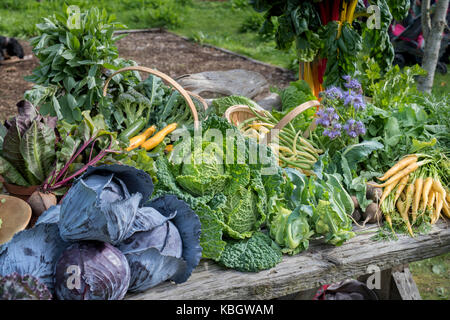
[(175, 86), (239, 113)]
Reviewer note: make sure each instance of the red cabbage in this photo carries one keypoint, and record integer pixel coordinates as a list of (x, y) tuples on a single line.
[(104, 205), (92, 270), (170, 250)]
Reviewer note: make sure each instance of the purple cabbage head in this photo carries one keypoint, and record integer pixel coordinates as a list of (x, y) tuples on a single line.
[(34, 251), (91, 270), (168, 250), (104, 204)]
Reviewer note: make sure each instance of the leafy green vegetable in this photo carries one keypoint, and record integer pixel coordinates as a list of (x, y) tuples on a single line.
[(399, 8), (291, 230), (376, 41), (323, 202), (295, 94), (220, 105), (205, 177), (394, 88), (38, 149), (28, 148), (70, 75), (140, 159), (251, 255), (80, 146), (335, 229), (322, 33), (230, 197), (342, 54)]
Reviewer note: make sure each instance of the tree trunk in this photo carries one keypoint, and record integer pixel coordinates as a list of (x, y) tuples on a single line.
[(432, 33)]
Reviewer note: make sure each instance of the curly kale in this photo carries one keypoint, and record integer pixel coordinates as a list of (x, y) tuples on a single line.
[(251, 255)]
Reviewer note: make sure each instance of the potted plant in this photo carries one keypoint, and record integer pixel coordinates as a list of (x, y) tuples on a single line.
[(40, 157)]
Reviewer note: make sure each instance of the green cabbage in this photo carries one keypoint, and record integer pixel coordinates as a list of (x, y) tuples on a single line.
[(208, 176), (290, 229), (231, 200), (328, 223)]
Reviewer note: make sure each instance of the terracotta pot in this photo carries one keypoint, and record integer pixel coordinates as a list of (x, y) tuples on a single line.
[(15, 214), (20, 192)]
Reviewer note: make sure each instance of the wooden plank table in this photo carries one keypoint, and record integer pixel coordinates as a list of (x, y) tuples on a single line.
[(320, 264)]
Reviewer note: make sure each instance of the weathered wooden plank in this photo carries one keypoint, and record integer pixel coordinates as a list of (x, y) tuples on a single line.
[(320, 264), (405, 284)]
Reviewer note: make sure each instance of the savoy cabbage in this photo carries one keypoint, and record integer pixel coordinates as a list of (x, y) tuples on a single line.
[(231, 198)]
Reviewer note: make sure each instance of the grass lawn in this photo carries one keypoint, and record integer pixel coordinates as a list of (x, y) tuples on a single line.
[(432, 277), (217, 23)]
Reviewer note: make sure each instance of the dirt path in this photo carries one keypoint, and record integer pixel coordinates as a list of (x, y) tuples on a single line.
[(161, 50)]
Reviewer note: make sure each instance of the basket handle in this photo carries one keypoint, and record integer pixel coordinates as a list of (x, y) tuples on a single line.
[(291, 115), (200, 99), (165, 77)]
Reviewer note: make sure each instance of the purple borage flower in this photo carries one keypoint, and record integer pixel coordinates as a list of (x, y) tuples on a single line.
[(354, 128), (334, 131), (327, 117), (353, 84), (354, 99), (334, 93)]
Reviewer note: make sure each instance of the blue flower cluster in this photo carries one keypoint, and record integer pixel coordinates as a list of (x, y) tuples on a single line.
[(340, 108)]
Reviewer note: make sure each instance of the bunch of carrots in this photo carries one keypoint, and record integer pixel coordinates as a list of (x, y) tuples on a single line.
[(149, 139), (414, 188)]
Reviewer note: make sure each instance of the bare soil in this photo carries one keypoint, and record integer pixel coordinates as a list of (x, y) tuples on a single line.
[(164, 51)]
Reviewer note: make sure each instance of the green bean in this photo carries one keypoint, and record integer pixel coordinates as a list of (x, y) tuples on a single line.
[(243, 123), (296, 164)]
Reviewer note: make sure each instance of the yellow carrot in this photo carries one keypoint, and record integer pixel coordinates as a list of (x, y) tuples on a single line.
[(437, 186), (387, 190), (413, 166), (446, 209), (398, 166), (416, 200), (431, 200), (409, 198), (401, 207), (389, 221), (403, 196), (158, 137), (438, 207), (426, 190), (401, 185)]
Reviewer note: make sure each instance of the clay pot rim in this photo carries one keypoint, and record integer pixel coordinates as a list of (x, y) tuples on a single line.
[(20, 190), (26, 212)]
